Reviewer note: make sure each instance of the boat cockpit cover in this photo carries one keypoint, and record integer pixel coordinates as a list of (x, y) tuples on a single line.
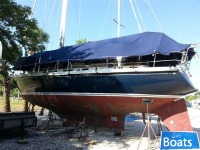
[(141, 44)]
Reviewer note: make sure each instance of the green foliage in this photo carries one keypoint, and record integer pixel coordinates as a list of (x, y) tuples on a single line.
[(18, 31), (13, 88), (193, 96), (81, 41), (14, 92)]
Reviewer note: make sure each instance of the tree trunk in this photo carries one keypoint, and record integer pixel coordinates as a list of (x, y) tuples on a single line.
[(6, 94), (6, 85)]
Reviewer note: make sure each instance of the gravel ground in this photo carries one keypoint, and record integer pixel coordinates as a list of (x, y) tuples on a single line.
[(104, 139)]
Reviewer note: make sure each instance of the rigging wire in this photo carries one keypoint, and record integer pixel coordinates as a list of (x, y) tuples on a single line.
[(79, 19), (157, 20), (56, 23), (108, 8), (138, 24), (123, 17), (33, 9), (118, 18), (46, 17), (113, 17), (30, 17), (50, 18), (44, 21), (145, 29), (197, 55), (51, 13)]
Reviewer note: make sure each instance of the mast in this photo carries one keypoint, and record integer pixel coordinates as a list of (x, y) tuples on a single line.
[(63, 22), (119, 58)]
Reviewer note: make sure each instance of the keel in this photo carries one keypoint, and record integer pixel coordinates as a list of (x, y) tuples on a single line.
[(175, 116)]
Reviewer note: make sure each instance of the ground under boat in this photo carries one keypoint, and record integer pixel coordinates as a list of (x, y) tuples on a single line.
[(105, 80)]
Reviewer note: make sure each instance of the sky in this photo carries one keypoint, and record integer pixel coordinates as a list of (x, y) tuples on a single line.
[(93, 20)]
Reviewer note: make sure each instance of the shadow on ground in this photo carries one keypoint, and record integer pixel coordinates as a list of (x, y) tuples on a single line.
[(56, 137)]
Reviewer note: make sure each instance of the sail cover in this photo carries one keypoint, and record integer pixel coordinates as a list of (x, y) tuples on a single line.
[(141, 44)]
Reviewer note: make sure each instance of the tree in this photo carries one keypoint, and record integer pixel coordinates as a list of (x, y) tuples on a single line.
[(81, 41), (193, 96), (18, 33)]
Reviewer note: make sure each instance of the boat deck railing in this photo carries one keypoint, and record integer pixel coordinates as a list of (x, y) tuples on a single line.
[(73, 67), (132, 62)]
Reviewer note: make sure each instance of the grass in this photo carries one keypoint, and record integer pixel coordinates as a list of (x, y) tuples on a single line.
[(15, 104)]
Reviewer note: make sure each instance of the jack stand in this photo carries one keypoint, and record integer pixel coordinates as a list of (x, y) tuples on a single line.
[(31, 107), (82, 127), (159, 126), (48, 122), (148, 124)]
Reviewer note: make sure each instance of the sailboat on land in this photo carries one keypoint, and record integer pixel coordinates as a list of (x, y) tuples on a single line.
[(103, 81)]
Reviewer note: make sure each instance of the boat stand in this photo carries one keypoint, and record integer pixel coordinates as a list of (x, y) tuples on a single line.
[(147, 125), (158, 126), (83, 130), (31, 107), (48, 124)]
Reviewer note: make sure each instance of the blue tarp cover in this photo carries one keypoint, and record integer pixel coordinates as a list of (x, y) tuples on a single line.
[(131, 118), (141, 44)]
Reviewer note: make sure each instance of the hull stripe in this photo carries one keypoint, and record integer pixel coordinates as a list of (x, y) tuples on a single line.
[(101, 94)]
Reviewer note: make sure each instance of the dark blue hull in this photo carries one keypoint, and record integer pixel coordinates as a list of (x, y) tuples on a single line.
[(105, 99), (159, 83)]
